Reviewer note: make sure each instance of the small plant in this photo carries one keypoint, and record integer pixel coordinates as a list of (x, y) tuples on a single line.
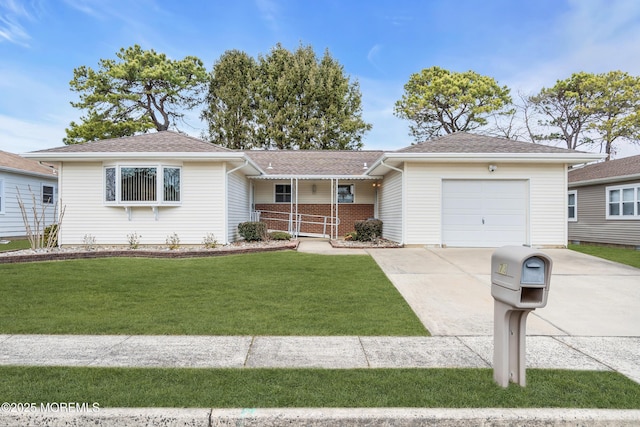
[(253, 231), (134, 240), (209, 241), (351, 236), (279, 235), (89, 242), (173, 241)]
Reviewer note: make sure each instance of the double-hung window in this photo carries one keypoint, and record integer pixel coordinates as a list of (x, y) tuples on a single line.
[(623, 202), (345, 194), (47, 194), (283, 193), (142, 185), (572, 199)]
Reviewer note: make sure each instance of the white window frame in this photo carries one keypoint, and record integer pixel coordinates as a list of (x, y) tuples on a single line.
[(160, 200), (573, 193), (636, 201), (275, 193), (352, 192), (2, 201), (53, 194)]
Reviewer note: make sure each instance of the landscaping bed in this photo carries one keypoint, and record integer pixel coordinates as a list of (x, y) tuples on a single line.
[(81, 252)]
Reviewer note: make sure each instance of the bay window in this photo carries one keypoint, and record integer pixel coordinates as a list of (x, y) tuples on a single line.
[(142, 185)]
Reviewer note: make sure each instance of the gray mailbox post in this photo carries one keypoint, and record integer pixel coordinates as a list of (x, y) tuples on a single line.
[(520, 279)]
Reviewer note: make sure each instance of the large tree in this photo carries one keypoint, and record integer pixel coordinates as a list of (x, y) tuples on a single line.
[(230, 112), (567, 109), (616, 109), (141, 90), (286, 100), (587, 109), (439, 101)]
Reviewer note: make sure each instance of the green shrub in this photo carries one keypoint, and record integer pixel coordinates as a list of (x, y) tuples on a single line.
[(279, 235), (368, 230), (51, 232), (252, 231)]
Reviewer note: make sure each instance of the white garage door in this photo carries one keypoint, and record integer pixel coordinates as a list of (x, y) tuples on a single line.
[(483, 213)]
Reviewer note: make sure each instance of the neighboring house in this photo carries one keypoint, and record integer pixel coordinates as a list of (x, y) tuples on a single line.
[(32, 181), (457, 190), (604, 203)]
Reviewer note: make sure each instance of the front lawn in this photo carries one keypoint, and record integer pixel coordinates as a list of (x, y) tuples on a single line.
[(622, 255), (279, 293), (14, 245), (263, 388)]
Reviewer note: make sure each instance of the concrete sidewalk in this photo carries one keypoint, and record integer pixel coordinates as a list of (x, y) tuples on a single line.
[(344, 352)]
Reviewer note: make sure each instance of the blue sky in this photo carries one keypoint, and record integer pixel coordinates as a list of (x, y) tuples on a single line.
[(524, 44)]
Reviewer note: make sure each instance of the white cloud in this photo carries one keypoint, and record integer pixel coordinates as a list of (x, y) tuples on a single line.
[(12, 13), (20, 136), (269, 12), (592, 36)]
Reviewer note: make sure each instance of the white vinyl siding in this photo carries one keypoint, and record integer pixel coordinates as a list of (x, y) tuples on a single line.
[(547, 198), (30, 187), (201, 210), (390, 208), (237, 202)]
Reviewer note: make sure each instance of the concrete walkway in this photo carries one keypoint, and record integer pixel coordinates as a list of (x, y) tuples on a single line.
[(590, 323)]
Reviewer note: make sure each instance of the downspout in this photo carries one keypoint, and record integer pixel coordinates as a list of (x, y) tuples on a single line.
[(403, 198)]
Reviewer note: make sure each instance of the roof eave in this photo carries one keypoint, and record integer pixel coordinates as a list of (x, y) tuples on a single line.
[(563, 158), (87, 157), (607, 180), (316, 177), (30, 173)]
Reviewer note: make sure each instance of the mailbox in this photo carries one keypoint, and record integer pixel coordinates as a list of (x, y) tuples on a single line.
[(520, 276), (520, 279)]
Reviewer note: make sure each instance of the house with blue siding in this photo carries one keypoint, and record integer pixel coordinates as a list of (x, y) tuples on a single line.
[(36, 184)]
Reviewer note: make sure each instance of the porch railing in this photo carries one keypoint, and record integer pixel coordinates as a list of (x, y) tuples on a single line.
[(294, 222)]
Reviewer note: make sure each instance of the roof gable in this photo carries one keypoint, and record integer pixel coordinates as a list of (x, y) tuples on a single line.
[(625, 167), (14, 162), (464, 142)]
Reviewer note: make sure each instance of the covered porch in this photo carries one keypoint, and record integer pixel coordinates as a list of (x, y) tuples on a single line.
[(314, 206)]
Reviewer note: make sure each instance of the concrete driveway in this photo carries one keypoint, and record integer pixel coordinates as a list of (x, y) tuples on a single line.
[(450, 291)]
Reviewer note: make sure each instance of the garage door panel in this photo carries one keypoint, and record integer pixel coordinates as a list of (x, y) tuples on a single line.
[(484, 213)]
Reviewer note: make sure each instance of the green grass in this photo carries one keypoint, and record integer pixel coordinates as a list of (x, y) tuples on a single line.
[(622, 255), (280, 293), (14, 245), (250, 388)]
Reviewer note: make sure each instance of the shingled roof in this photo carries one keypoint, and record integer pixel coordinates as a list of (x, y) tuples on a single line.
[(15, 163), (625, 167), (165, 141), (463, 142), (314, 162)]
